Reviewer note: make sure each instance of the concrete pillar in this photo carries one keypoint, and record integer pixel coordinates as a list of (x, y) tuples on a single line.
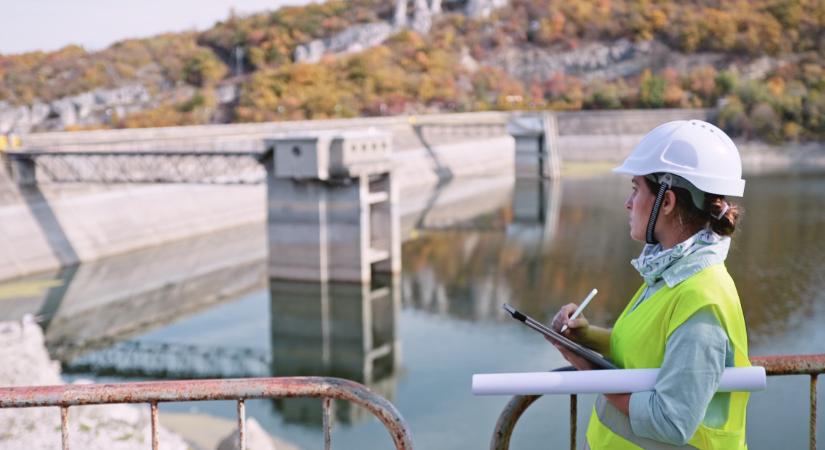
[(334, 329), (537, 153), (23, 170), (332, 208), (316, 232)]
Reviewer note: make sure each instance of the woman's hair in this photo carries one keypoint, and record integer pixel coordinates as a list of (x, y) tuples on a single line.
[(695, 219)]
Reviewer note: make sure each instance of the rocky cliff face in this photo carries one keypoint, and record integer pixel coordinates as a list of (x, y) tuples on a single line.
[(353, 39), (419, 18), (612, 60), (89, 108)]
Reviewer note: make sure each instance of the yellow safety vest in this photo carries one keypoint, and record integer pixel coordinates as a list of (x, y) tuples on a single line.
[(638, 341)]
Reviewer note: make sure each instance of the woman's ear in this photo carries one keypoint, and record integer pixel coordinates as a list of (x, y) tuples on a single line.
[(668, 202)]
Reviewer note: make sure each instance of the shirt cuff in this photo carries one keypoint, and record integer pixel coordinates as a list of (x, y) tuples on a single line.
[(641, 417)]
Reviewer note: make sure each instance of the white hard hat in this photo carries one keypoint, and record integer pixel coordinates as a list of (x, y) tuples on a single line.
[(695, 150)]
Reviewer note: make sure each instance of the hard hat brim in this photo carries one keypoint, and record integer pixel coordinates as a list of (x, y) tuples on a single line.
[(711, 185)]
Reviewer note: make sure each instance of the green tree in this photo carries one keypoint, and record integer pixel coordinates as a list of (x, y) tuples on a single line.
[(203, 69), (726, 81), (651, 90), (604, 96), (733, 118), (765, 122)]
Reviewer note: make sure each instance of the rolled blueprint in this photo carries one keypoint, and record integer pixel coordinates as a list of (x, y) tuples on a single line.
[(602, 381)]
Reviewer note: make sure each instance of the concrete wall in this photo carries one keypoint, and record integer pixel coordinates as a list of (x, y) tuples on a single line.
[(609, 136), (586, 136), (583, 134), (46, 230), (49, 226), (249, 136)]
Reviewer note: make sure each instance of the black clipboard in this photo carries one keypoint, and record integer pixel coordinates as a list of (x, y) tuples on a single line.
[(590, 355)]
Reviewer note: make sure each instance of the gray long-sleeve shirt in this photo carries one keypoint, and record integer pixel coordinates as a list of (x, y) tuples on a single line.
[(685, 395)]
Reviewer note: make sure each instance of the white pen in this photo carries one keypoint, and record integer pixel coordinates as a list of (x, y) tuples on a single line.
[(581, 308)]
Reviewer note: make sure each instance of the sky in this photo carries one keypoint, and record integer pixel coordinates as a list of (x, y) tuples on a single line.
[(28, 25)]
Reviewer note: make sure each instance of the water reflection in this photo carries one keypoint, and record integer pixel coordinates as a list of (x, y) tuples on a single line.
[(536, 212), (343, 330), (582, 243), (119, 298), (775, 258)]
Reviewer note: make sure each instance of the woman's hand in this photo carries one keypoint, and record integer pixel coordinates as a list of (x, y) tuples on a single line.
[(580, 330), (575, 360), (575, 328)]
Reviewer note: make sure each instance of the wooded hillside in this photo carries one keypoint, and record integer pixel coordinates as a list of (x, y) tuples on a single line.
[(760, 61)]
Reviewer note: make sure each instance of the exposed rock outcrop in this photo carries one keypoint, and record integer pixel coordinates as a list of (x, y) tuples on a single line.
[(353, 39), (88, 108), (360, 37), (26, 362), (612, 60), (483, 8)]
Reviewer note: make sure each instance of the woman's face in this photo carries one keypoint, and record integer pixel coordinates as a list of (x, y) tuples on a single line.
[(639, 205)]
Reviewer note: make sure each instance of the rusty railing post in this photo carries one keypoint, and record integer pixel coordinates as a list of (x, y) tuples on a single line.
[(64, 426), (574, 419), (153, 406), (327, 423), (241, 424), (813, 412)]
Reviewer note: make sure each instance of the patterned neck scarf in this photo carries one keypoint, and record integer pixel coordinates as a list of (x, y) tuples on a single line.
[(686, 258)]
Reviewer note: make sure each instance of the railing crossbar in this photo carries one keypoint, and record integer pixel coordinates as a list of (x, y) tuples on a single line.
[(326, 388)]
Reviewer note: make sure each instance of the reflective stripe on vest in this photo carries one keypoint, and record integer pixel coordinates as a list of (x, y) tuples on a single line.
[(639, 338), (619, 423)]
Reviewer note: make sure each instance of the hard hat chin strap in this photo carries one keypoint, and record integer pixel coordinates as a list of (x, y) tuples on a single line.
[(665, 183)]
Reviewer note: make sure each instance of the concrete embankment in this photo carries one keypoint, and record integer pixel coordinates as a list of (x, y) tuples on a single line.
[(49, 226)]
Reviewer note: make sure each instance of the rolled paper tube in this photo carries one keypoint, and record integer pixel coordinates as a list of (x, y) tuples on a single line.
[(602, 381)]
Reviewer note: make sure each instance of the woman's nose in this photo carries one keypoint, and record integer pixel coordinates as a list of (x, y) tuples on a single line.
[(628, 204)]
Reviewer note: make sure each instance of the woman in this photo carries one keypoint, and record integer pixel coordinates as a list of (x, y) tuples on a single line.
[(686, 317)]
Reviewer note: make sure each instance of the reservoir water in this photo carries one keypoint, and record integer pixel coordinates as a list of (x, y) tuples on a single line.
[(418, 339)]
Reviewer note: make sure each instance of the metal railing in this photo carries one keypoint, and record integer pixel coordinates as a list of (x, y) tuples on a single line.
[(173, 166), (198, 390), (812, 365)]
